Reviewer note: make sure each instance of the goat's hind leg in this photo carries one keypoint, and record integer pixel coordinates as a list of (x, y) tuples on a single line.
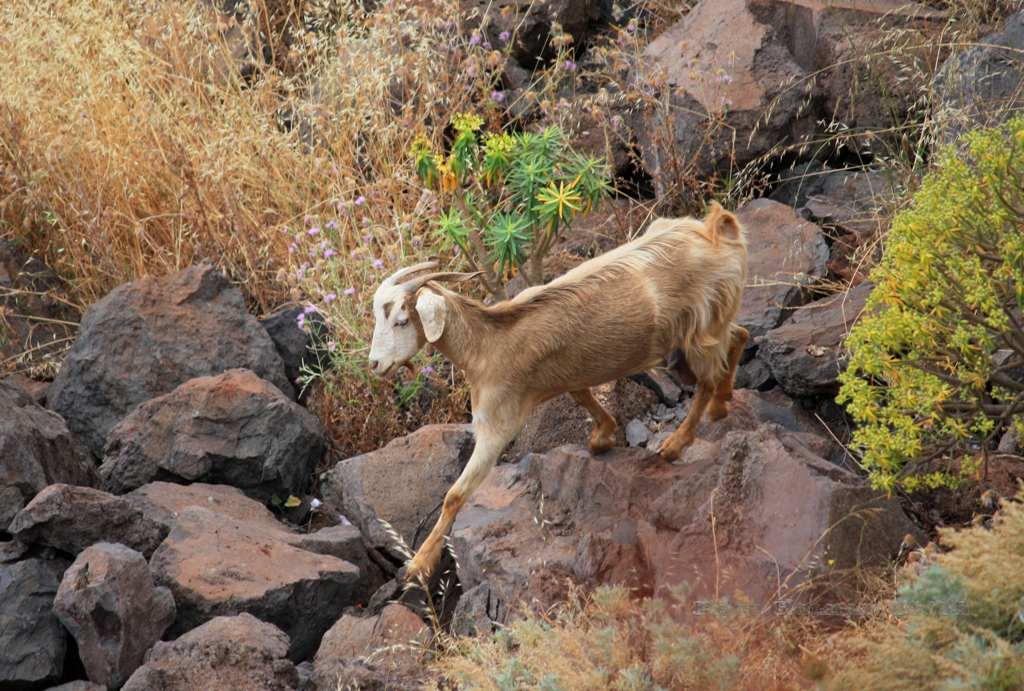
[(718, 408), (602, 437), (687, 430)]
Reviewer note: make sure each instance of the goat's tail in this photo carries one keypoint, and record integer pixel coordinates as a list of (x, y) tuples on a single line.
[(721, 223)]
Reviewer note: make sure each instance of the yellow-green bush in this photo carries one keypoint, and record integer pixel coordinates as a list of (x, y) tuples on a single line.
[(935, 368), (958, 625)]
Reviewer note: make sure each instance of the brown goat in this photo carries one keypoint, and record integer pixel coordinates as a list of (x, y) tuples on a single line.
[(677, 286)]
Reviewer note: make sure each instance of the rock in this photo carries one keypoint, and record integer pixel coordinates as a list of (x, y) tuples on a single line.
[(403, 483), (806, 353), (637, 433), (662, 382), (237, 652), (163, 502), (71, 518), (982, 85), (294, 344), (785, 253), (109, 604), (388, 645), (36, 449), (216, 565), (530, 24), (563, 421), (147, 337), (35, 327), (32, 641), (35, 390), (627, 518), (479, 612), (233, 428), (720, 61), (80, 685)]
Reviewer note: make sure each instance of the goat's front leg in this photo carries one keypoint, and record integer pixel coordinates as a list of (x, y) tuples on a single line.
[(488, 447), (602, 437), (687, 431)]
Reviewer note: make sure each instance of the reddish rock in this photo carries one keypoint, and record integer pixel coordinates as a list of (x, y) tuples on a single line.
[(109, 604), (71, 518), (216, 565), (233, 428), (628, 518), (35, 390), (238, 652), (806, 354), (147, 337), (36, 450), (386, 648), (402, 483), (785, 253)]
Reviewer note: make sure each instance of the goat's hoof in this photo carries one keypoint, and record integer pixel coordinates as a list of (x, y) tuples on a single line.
[(416, 572), (600, 444), (717, 410), (670, 450)]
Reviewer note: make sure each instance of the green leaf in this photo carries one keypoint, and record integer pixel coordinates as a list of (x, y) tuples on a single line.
[(506, 236)]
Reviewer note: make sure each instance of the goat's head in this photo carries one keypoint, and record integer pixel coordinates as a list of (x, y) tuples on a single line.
[(398, 334)]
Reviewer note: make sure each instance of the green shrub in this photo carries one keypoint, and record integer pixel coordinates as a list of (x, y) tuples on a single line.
[(510, 195), (935, 372)]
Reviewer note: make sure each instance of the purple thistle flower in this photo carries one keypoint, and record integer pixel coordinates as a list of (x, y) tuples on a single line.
[(378, 263), (328, 253), (475, 40), (301, 321), (360, 200), (332, 224), (315, 230), (330, 297), (350, 291), (367, 238), (504, 36), (292, 247), (309, 309), (569, 65), (427, 369), (498, 96)]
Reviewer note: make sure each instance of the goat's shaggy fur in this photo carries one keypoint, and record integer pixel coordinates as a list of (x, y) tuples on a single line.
[(677, 286)]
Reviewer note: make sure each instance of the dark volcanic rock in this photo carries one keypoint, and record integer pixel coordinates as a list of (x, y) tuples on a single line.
[(36, 449), (149, 336), (983, 85), (785, 253), (216, 565), (109, 604), (806, 353), (233, 428), (32, 641), (71, 518), (531, 21), (402, 483), (381, 651), (239, 652), (295, 345)]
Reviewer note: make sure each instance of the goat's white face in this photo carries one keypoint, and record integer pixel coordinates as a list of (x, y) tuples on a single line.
[(395, 338)]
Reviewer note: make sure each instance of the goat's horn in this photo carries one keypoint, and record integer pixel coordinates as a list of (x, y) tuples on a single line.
[(396, 277), (418, 282)]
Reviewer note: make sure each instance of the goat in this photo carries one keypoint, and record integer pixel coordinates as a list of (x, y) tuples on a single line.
[(678, 286)]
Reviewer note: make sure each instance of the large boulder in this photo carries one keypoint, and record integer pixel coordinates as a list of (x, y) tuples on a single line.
[(32, 641), (147, 337), (806, 354), (163, 502), (233, 428), (982, 85), (403, 484), (109, 604), (384, 650), (295, 344), (723, 519), (71, 518), (239, 652), (217, 565), (785, 253), (720, 62), (36, 449)]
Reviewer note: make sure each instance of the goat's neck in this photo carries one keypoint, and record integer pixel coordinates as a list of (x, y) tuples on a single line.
[(466, 339)]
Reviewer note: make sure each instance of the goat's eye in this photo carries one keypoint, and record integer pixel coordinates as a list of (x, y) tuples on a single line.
[(401, 321)]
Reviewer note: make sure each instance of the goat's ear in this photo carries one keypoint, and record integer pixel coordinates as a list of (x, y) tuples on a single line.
[(432, 309), (720, 223)]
